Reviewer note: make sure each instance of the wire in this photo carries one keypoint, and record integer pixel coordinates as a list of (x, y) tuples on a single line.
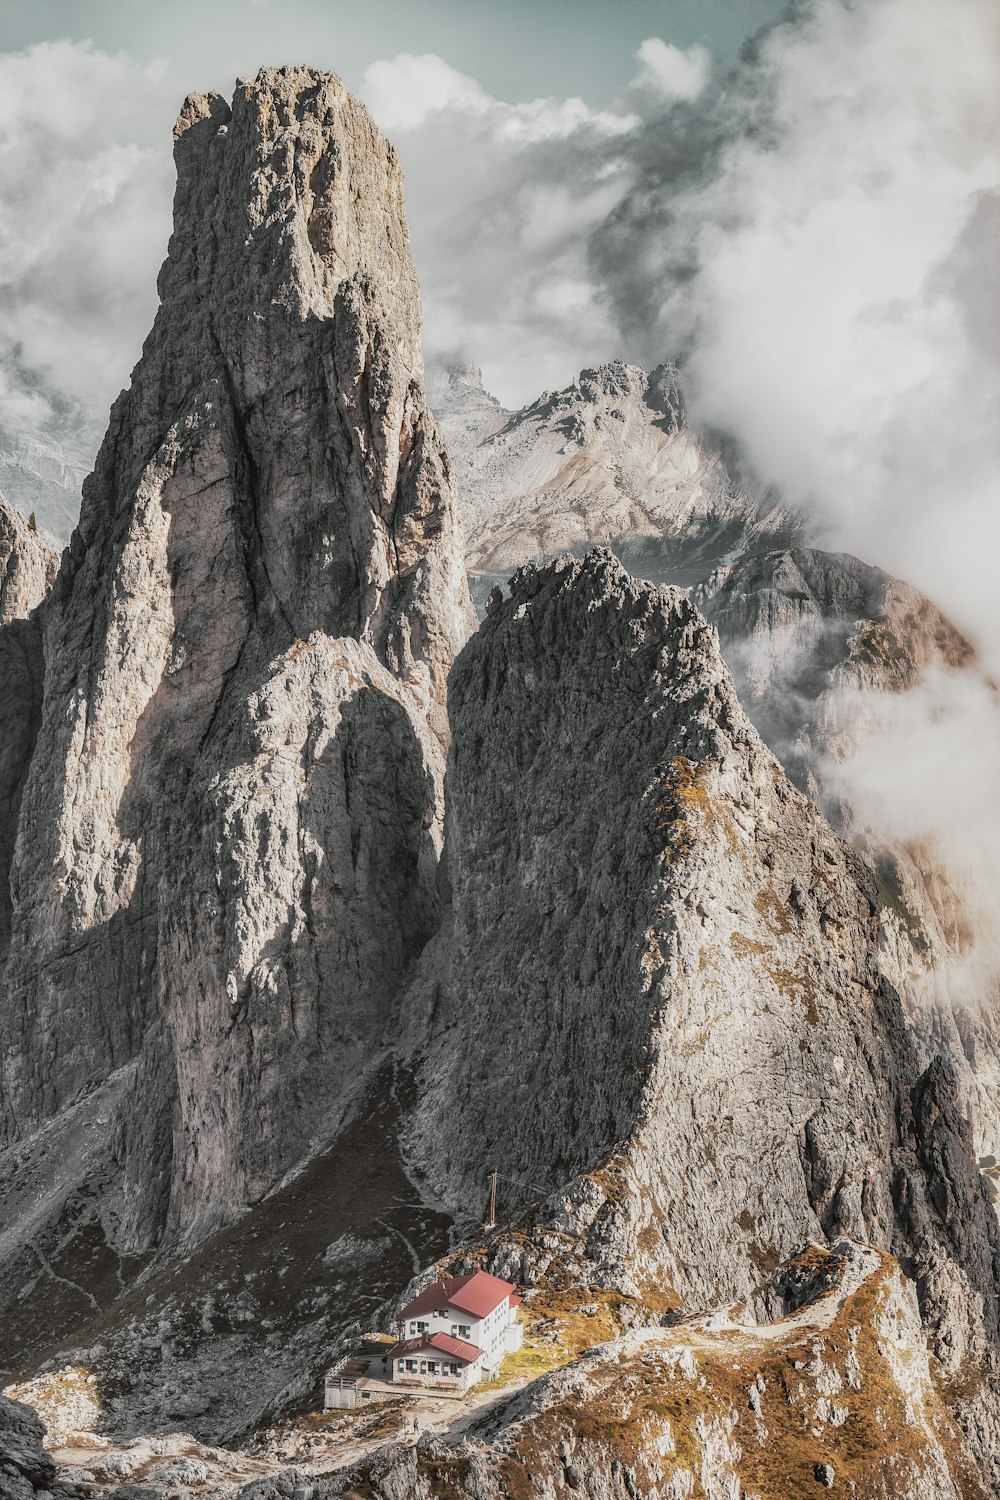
[(521, 1182)]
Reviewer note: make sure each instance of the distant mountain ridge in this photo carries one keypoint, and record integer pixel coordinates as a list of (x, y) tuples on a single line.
[(609, 459), (44, 475)]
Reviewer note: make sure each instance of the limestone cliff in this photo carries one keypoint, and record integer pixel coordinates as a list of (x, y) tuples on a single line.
[(835, 1394), (645, 986), (27, 568), (226, 855), (609, 459), (656, 1003), (824, 648)]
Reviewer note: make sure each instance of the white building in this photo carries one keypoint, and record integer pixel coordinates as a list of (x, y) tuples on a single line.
[(456, 1331)]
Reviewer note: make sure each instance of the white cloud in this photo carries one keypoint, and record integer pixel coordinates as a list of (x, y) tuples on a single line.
[(673, 72), (501, 199), (817, 232), (924, 772), (86, 214), (817, 237), (402, 92)]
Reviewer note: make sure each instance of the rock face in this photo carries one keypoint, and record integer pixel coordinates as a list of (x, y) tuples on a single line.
[(657, 993), (609, 459), (822, 648), (27, 568), (646, 986), (226, 857), (25, 1467), (835, 1393)]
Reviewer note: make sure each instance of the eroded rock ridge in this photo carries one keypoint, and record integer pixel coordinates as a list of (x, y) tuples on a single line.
[(227, 848)]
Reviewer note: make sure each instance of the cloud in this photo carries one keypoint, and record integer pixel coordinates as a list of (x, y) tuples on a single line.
[(922, 773), (955, 719), (672, 72), (86, 213), (501, 199), (814, 231), (818, 236), (402, 92)]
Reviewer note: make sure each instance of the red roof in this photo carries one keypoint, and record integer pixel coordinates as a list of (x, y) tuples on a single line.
[(478, 1294), (458, 1349)]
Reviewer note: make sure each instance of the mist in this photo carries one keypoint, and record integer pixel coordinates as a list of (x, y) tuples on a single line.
[(84, 228), (817, 238)]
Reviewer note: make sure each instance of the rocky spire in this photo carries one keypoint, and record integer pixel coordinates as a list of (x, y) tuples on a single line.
[(234, 796), (657, 992), (27, 568)]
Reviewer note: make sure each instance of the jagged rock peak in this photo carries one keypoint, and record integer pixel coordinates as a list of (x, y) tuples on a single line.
[(316, 195), (246, 657), (601, 390), (27, 565), (886, 625), (665, 942), (27, 568), (290, 321), (457, 372), (607, 459), (455, 389)]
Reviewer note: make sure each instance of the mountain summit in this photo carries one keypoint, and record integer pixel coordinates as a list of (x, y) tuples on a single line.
[(226, 861), (609, 459)]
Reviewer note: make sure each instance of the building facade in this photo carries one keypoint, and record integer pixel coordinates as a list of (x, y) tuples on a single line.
[(456, 1332)]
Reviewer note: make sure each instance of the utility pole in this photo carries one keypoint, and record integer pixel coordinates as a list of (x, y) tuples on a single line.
[(493, 1201)]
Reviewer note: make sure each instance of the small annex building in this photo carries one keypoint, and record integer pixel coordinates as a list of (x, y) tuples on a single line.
[(456, 1332)]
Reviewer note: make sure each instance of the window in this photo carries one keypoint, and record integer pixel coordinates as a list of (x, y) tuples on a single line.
[(421, 1327), (411, 1365), (464, 1330)]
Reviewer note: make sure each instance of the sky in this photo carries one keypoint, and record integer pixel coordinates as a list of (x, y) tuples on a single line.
[(518, 49)]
